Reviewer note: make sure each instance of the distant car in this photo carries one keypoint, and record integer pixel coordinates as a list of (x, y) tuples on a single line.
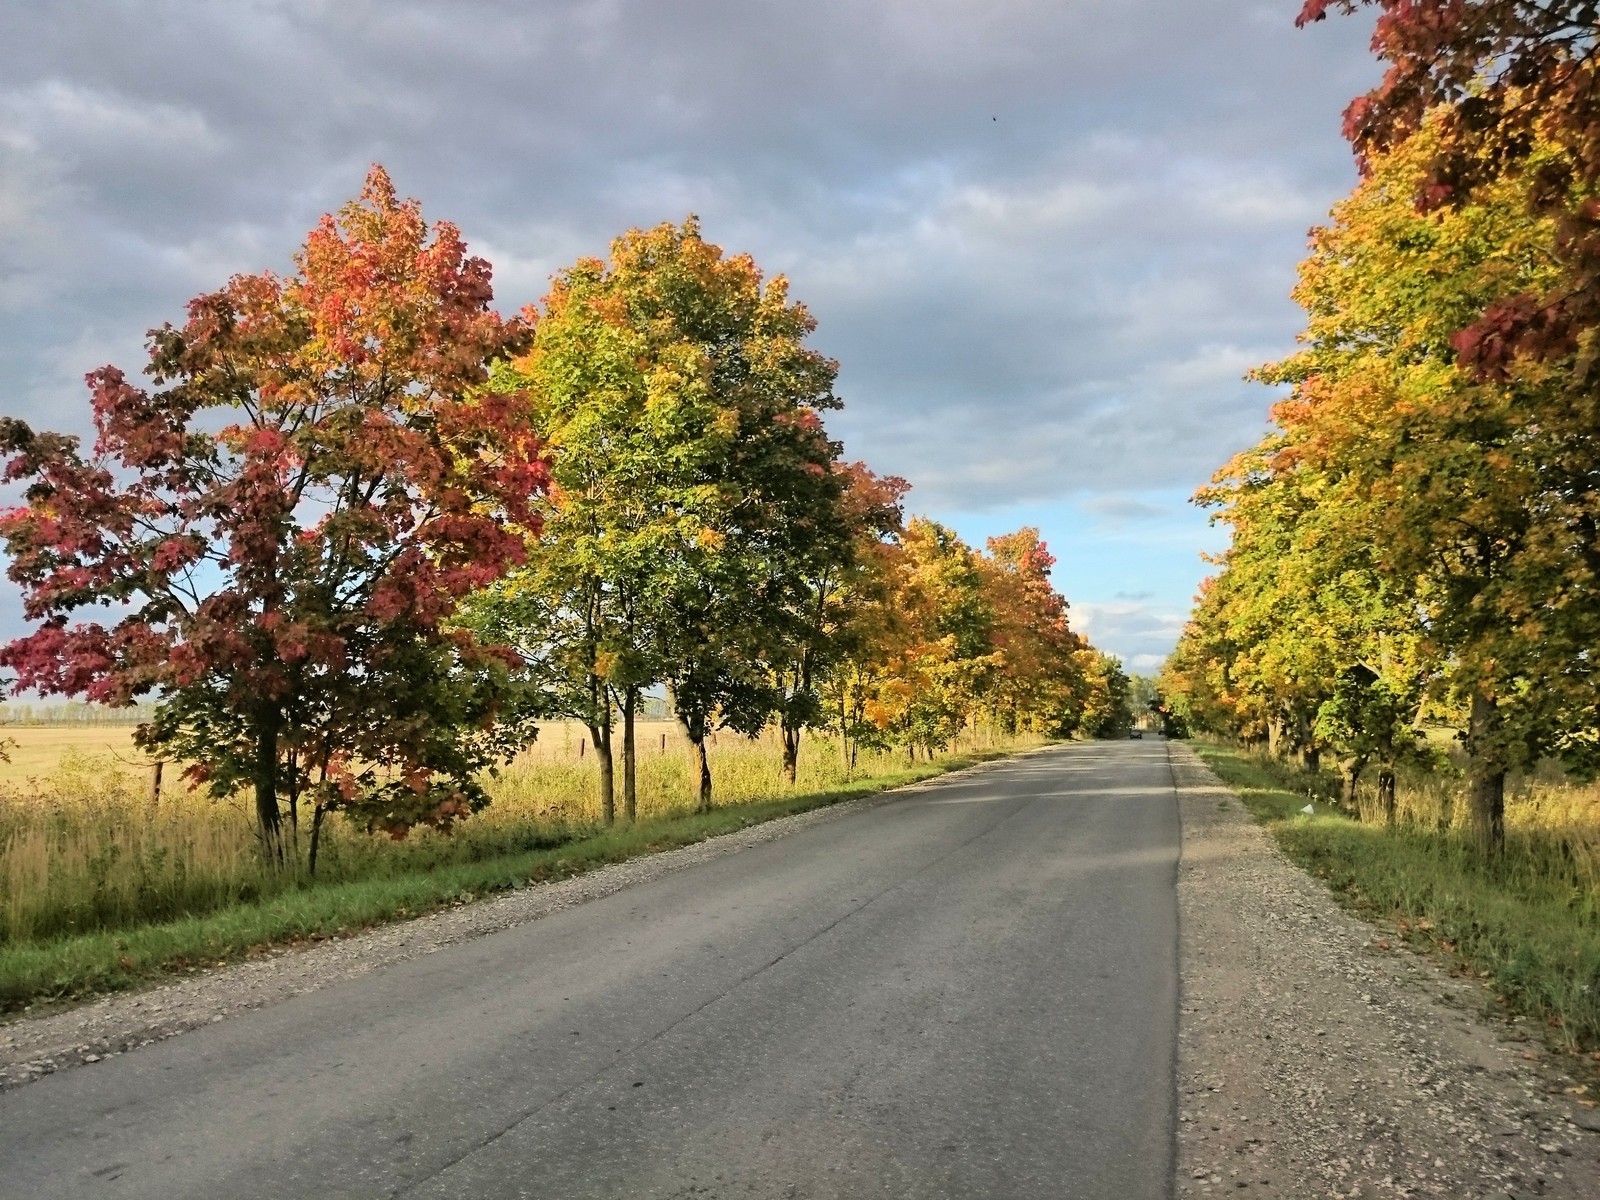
[(1136, 733)]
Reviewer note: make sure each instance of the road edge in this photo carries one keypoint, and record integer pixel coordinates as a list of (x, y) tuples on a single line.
[(1313, 1062), (33, 1046)]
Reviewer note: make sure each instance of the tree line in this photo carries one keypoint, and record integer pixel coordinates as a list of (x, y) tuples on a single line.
[(362, 533), (1419, 534)]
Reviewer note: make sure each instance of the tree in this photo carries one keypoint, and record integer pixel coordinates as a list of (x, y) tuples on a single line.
[(1326, 649), (1144, 693), (600, 395), (873, 629), (1041, 682), (1107, 709), (943, 657), (756, 490), (1470, 491), (1503, 82), (698, 506), (284, 525), (836, 576)]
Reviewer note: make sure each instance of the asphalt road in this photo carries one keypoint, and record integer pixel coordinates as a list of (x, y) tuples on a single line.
[(969, 991)]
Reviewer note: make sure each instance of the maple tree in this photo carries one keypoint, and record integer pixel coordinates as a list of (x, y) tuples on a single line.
[(1197, 675), (832, 611), (925, 687), (576, 611), (873, 629), (1411, 504), (1106, 710), (282, 528), (1313, 644), (697, 527), (758, 505), (1040, 681), (1459, 478), (1501, 81), (954, 636)]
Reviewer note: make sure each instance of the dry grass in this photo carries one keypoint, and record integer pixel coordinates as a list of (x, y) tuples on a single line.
[(84, 848), (39, 749), (1552, 824)]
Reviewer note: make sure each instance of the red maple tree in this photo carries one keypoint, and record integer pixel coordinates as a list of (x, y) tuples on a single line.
[(274, 537), (1500, 77)]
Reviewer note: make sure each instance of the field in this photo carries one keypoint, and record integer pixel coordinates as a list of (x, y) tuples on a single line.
[(100, 882), (40, 749)]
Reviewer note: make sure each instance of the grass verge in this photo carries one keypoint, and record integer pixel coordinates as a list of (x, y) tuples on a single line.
[(1530, 934), (83, 965)]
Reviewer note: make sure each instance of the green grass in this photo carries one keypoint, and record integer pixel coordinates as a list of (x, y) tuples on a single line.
[(1528, 924), (77, 966)]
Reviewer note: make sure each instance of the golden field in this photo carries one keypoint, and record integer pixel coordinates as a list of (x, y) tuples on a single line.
[(83, 846), (39, 749)]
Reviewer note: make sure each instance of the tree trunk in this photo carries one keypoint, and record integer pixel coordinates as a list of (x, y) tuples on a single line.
[(269, 820), (1275, 737), (608, 785), (1350, 776), (791, 752), (316, 839), (293, 855), (1386, 796), (1486, 775), (630, 758), (703, 764), (1301, 742)]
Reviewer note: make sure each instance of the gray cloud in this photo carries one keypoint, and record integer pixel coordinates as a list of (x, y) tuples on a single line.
[(1141, 635), (1045, 240)]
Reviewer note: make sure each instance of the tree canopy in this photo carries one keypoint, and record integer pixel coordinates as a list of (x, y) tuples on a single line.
[(283, 527), (1414, 522), (361, 533)]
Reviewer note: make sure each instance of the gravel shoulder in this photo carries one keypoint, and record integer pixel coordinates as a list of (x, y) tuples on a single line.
[(1314, 1063), (35, 1045)]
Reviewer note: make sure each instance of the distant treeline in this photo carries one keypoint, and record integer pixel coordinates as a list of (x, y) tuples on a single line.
[(73, 712)]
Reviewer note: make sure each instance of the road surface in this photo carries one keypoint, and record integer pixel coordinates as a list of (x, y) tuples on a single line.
[(967, 991)]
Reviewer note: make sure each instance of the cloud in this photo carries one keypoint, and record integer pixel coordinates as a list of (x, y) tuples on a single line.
[(1118, 509), (1141, 633), (1044, 240)]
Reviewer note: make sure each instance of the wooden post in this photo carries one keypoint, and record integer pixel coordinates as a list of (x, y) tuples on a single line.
[(580, 747), (155, 783), (663, 743)]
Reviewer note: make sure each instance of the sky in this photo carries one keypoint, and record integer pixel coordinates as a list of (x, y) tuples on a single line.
[(1045, 239)]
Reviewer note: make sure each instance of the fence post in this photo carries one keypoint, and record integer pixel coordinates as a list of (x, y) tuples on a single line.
[(580, 747), (155, 783)]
